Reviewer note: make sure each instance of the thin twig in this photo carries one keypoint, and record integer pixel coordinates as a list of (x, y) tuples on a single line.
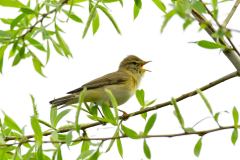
[(148, 109), (200, 133), (229, 16)]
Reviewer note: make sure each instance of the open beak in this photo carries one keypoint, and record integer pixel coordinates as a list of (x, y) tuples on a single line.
[(145, 62)]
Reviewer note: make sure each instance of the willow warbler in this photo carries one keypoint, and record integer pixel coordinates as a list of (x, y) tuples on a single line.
[(122, 83)]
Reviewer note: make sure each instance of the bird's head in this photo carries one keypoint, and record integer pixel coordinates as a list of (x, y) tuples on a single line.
[(134, 65)]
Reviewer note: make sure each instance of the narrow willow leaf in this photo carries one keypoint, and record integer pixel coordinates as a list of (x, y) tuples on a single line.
[(36, 129), (11, 3), (234, 136), (108, 115), (120, 148), (2, 50), (53, 115), (136, 11), (57, 47), (8, 121), (80, 101), (216, 116), (198, 147), (160, 5), (209, 44), (48, 52), (205, 101), (90, 18), (36, 44), (95, 23), (19, 56), (62, 43), (129, 132), (199, 7), (113, 102), (39, 153), (27, 10), (69, 138), (34, 106), (95, 155), (116, 134), (60, 116), (85, 146), (37, 65), (73, 16), (235, 117), (183, 8), (167, 18), (17, 20), (59, 153), (140, 97), (110, 17), (146, 149), (150, 123), (178, 114)]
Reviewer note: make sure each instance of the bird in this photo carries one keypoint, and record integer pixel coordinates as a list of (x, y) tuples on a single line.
[(123, 84)]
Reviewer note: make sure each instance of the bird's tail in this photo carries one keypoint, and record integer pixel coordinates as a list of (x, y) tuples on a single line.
[(64, 101)]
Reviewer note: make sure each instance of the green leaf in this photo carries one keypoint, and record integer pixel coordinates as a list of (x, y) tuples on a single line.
[(34, 106), (2, 50), (85, 145), (150, 124), (140, 97), (90, 18), (113, 102), (199, 7), (110, 17), (80, 101), (235, 117), (95, 23), (178, 113), (37, 130), (129, 132), (19, 56), (53, 115), (73, 16), (234, 136), (59, 153), (37, 65), (69, 138), (136, 11), (183, 8), (48, 52), (17, 20), (108, 115), (11, 3), (116, 134), (160, 5), (146, 149), (167, 18), (36, 44), (27, 11), (205, 101), (198, 147), (62, 43), (57, 47), (60, 116), (8, 121), (209, 44), (120, 148)]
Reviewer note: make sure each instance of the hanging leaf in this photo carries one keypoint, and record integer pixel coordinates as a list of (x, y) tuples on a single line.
[(146, 149), (167, 18), (150, 124), (73, 16), (36, 44), (8, 121), (205, 101), (198, 147), (95, 23), (36, 129), (2, 50), (119, 146), (160, 5), (178, 113), (234, 136), (129, 132), (37, 65)]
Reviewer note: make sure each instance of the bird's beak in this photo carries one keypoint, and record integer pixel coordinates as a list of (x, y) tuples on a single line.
[(145, 62)]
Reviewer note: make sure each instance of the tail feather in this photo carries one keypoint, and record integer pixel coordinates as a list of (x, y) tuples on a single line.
[(64, 101)]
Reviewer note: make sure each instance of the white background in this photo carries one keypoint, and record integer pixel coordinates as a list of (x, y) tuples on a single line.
[(177, 67)]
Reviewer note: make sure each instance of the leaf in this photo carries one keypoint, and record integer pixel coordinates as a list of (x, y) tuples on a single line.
[(116, 134), (8, 121), (17, 20), (113, 102), (108, 115), (90, 18), (183, 8), (37, 65), (2, 50), (140, 97), (80, 101), (27, 10), (36, 44), (85, 145), (59, 153), (178, 114), (129, 132), (198, 147), (62, 43), (110, 17), (150, 124), (53, 115), (34, 106), (234, 136), (235, 117), (73, 16), (146, 149), (48, 52), (69, 138), (60, 116), (57, 47), (199, 7), (95, 23), (167, 18), (19, 56), (37, 130), (120, 148), (160, 5), (136, 11), (11, 3), (209, 45), (205, 101)]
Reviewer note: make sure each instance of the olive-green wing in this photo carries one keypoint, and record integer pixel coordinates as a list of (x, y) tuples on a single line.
[(108, 79)]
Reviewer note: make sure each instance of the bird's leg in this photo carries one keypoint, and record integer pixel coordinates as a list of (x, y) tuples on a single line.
[(100, 112), (124, 115)]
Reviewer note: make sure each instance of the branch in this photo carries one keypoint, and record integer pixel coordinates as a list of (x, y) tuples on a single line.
[(229, 16), (199, 133), (148, 109)]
